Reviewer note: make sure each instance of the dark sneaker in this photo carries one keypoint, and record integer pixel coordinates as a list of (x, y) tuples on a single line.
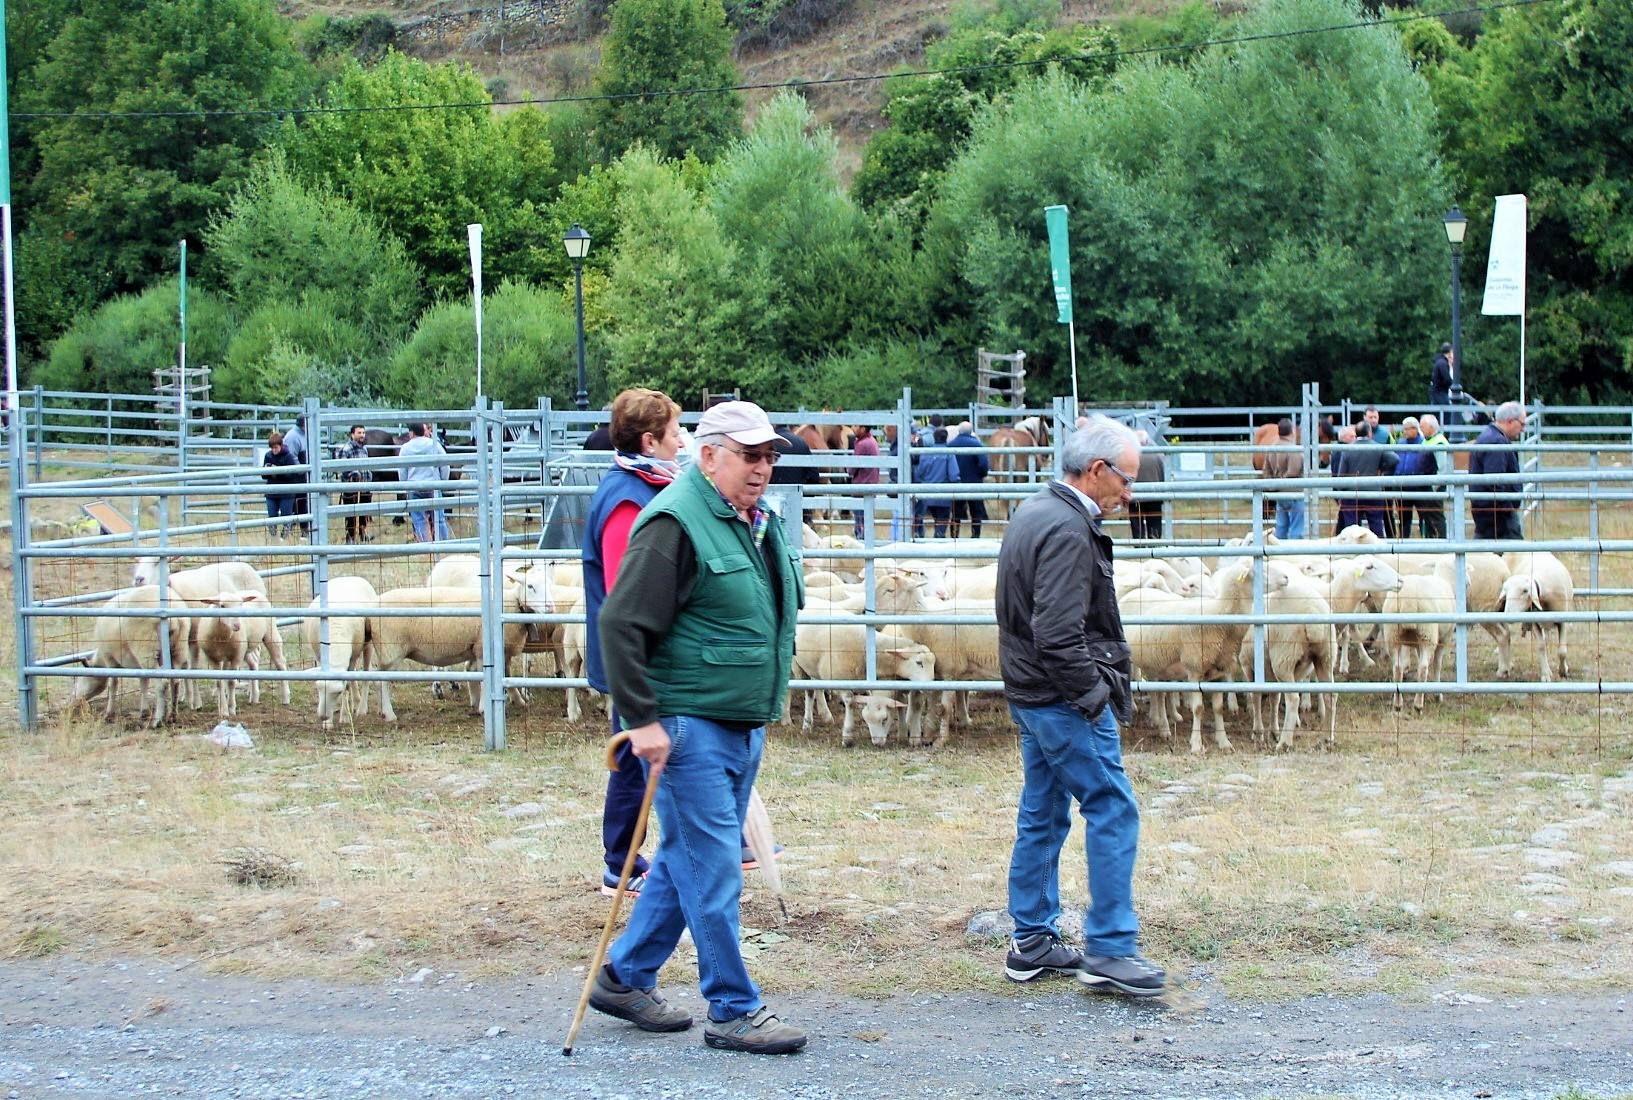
[(758, 1033), (750, 863), (1135, 975), (1040, 953), (632, 888), (645, 1008)]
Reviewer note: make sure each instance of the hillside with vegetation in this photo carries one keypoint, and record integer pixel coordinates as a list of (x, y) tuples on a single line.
[(1246, 214)]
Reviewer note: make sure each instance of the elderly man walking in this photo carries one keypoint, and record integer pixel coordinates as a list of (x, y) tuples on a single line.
[(697, 640), (1496, 505), (1067, 669)]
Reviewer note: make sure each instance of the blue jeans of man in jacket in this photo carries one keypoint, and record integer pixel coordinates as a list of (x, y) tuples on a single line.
[(1066, 757), (1289, 519), (696, 880)]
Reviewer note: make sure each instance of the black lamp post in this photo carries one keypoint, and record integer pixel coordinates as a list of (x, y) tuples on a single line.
[(577, 243), (1456, 226)]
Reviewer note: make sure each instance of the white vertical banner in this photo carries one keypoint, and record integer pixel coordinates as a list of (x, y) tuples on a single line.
[(1505, 270), (473, 232)]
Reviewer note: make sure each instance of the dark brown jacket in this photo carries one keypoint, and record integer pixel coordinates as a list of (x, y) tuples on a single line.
[(1060, 637)]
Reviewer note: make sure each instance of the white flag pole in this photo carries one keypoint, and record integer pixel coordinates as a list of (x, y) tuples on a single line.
[(1071, 339), (473, 234)]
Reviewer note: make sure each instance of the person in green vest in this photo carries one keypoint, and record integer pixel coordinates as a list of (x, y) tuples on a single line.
[(698, 642)]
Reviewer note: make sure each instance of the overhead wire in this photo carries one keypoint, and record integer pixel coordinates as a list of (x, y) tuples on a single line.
[(792, 83)]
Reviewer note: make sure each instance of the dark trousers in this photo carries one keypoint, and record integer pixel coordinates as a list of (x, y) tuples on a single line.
[(1368, 512), (1497, 524), (1387, 517), (940, 515), (976, 510), (1432, 519), (357, 527), (1145, 519), (625, 789), (303, 507)]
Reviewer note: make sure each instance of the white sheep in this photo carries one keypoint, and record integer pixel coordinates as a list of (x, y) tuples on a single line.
[(831, 651), (961, 652), (1295, 651), (135, 643), (233, 640), (1423, 642), (1485, 575), (1540, 582), (443, 641), (1197, 652), (194, 585), (1357, 582), (348, 647)]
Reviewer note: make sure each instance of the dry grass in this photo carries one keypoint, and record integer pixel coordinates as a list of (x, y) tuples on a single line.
[(1412, 858)]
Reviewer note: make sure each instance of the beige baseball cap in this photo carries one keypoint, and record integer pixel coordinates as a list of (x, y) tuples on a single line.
[(743, 421)]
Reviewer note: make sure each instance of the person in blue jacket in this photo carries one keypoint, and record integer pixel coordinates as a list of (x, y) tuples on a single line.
[(938, 466)]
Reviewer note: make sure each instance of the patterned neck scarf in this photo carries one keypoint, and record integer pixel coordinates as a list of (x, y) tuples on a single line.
[(649, 468), (759, 518)]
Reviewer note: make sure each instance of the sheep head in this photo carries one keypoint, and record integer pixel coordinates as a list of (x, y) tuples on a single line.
[(1372, 575), (878, 710)]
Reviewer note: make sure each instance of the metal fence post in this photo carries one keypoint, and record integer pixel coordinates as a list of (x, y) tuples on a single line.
[(1260, 568), (902, 526), (1459, 533), (489, 522), (39, 433), (21, 579)]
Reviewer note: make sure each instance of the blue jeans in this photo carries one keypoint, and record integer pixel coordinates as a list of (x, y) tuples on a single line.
[(696, 881), (277, 506), (1064, 757), (1289, 519), (422, 518), (626, 786)]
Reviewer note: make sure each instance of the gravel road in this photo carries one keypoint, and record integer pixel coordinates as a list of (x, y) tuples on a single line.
[(148, 1027)]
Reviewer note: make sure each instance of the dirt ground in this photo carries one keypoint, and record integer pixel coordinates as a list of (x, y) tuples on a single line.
[(125, 1027)]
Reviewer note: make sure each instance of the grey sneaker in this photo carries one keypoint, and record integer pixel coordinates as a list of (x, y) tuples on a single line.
[(1040, 953), (645, 1008), (1135, 975), (759, 1032)]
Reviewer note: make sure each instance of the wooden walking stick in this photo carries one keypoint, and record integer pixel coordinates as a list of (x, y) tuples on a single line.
[(618, 895)]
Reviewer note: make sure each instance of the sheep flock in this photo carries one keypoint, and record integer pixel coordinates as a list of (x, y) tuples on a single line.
[(1376, 611)]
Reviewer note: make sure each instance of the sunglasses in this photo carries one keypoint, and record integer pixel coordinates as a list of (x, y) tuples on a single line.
[(755, 457)]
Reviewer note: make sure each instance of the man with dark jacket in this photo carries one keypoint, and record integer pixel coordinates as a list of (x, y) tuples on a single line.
[(972, 470), (1360, 458), (1067, 670), (1496, 505)]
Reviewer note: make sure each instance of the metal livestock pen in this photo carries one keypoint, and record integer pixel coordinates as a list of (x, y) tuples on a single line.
[(518, 478)]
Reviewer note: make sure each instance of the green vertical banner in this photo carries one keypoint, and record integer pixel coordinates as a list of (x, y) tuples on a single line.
[(1060, 261)]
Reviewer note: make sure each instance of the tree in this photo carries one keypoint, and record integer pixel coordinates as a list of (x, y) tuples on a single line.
[(426, 174), (528, 351), (119, 191), (665, 45), (688, 314), (117, 347), (931, 117), (279, 241), (1542, 104), (281, 346), (777, 198), (1257, 219)]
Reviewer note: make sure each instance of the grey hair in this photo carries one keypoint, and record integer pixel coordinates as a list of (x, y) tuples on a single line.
[(1510, 410), (1425, 420), (713, 439), (1101, 440)]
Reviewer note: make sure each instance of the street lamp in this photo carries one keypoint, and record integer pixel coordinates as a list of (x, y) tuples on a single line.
[(577, 243), (1456, 225)]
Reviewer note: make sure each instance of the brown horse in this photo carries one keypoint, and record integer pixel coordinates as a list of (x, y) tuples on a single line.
[(1012, 469)]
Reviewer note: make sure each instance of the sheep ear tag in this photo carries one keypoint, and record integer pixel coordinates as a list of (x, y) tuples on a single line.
[(1359, 570)]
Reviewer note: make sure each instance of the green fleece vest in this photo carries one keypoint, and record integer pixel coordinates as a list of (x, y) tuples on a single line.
[(730, 651)]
